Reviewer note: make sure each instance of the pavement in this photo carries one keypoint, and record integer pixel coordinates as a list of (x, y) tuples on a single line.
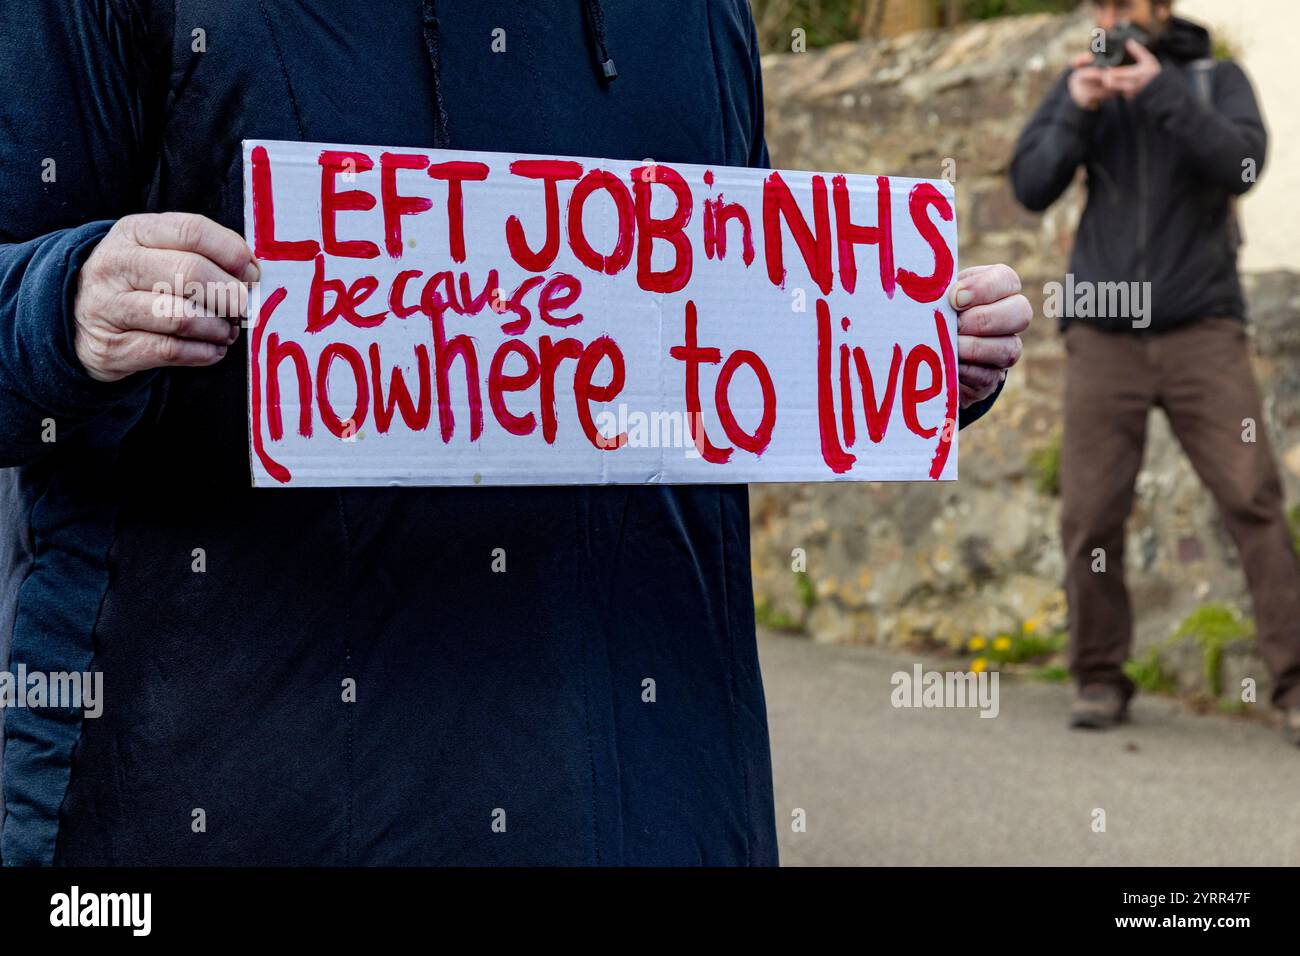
[(885, 786)]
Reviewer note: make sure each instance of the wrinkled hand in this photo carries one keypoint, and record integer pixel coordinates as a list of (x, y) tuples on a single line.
[(161, 290), (1087, 84), (1129, 81), (991, 314)]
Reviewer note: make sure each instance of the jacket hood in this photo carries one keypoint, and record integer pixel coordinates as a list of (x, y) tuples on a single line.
[(1184, 42)]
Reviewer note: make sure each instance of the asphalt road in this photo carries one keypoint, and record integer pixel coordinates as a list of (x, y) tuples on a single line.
[(884, 786)]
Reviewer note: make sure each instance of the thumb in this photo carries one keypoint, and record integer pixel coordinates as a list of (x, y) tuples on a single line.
[(1139, 52)]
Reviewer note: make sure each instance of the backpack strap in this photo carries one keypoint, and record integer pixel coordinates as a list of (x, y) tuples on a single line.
[(1202, 75), (1202, 72)]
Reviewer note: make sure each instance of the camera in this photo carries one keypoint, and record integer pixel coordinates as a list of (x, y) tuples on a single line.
[(1114, 51)]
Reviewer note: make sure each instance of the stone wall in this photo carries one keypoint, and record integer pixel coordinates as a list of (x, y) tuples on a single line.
[(901, 564)]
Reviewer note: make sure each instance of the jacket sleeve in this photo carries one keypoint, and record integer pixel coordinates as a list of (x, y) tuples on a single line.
[(74, 155), (973, 413), (1051, 148), (1224, 142)]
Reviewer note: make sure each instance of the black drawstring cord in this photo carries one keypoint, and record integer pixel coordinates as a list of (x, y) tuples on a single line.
[(596, 24), (441, 137), (595, 19)]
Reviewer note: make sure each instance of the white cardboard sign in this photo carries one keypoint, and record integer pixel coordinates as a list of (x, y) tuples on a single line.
[(434, 317)]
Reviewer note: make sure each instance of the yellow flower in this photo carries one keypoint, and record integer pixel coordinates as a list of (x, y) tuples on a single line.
[(979, 665), (1031, 625), (977, 643), (1002, 643)]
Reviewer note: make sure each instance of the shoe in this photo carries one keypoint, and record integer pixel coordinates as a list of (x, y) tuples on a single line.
[(1099, 706), (1291, 726)]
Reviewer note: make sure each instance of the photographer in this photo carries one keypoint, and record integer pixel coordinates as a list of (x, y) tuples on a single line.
[(1168, 138)]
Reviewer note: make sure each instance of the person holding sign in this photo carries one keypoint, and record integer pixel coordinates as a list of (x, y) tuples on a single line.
[(356, 675), (1153, 314)]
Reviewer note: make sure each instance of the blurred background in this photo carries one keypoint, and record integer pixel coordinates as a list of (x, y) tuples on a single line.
[(969, 575)]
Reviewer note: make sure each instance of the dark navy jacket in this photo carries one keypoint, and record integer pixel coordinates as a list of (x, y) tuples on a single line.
[(481, 697)]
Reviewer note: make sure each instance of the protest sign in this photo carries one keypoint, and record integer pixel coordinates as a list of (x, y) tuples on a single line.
[(436, 317)]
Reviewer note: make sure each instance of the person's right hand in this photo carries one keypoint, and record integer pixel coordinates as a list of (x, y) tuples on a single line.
[(161, 289), (1087, 84)]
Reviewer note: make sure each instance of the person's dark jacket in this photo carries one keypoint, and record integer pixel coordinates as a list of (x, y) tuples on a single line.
[(1162, 173), (498, 717)]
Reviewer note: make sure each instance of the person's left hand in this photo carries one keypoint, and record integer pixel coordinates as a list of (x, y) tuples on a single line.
[(991, 314), (1129, 81)]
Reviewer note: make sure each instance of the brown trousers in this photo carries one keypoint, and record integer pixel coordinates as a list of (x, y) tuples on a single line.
[(1202, 377)]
